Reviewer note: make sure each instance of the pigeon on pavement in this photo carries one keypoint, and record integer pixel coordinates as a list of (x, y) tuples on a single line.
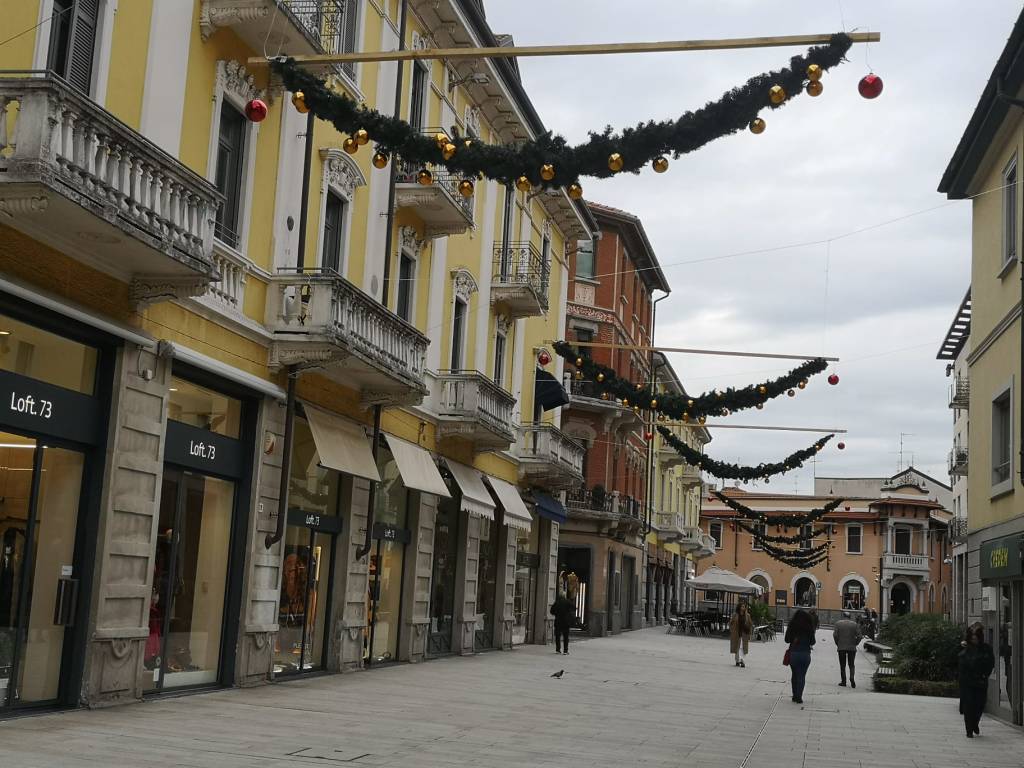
[(559, 674)]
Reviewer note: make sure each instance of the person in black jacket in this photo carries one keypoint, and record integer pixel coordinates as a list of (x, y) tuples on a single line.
[(975, 665), (800, 636), (564, 611)]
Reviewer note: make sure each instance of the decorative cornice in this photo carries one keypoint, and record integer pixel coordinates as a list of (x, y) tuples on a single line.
[(234, 78), (341, 172), (502, 323), (465, 283), (410, 241), (144, 291), (471, 120), (228, 13)]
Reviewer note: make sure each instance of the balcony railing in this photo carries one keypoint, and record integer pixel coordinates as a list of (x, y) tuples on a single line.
[(707, 547), (582, 497), (958, 529), (440, 204), (691, 539), (319, 319), (71, 170), (670, 525), (906, 563), (549, 456), (958, 461), (520, 278), (960, 392), (472, 406)]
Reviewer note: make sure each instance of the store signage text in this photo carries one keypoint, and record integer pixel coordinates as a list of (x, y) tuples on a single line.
[(29, 405), (38, 406), (206, 451), (323, 523), (1001, 558), (202, 450)]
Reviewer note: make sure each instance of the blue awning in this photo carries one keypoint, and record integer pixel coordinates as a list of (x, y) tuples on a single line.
[(549, 507)]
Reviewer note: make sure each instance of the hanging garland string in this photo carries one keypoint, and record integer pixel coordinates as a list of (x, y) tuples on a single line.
[(723, 470), (779, 538), (788, 521), (550, 161), (683, 407)]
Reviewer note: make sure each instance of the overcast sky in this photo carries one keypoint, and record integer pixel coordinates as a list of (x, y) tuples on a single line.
[(823, 168)]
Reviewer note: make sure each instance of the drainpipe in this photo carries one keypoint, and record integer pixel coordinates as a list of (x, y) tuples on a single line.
[(389, 217), (307, 162), (286, 462)]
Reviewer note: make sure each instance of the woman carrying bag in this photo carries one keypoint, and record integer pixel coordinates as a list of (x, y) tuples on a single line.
[(740, 627), (800, 636), (975, 665)]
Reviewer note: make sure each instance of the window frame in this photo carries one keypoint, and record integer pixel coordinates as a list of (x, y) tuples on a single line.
[(860, 538), (592, 251), (721, 533), (336, 240), (1010, 222), (406, 286), (419, 95), (459, 334), (762, 528), (500, 353), (1003, 399), (806, 544)]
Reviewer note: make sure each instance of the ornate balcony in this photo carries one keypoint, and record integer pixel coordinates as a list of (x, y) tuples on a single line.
[(549, 457), (690, 475), (910, 564), (691, 539), (960, 393), (707, 547), (442, 208), (75, 177), (320, 320), (520, 279), (473, 407), (958, 461), (670, 526), (288, 27), (958, 529), (586, 396)]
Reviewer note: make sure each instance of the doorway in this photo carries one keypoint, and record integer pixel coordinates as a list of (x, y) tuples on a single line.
[(487, 582), (40, 489), (630, 592), (443, 575), (899, 599), (574, 580)]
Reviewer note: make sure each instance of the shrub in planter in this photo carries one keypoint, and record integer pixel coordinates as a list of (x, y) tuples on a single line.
[(925, 647), (886, 684), (760, 613)]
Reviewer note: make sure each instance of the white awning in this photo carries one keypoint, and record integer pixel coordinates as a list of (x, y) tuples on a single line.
[(417, 467), (475, 498), (516, 513), (342, 445)]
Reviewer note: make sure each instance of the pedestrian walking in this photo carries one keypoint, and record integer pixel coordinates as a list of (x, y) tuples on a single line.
[(847, 636), (800, 636), (564, 611), (740, 627), (975, 665)]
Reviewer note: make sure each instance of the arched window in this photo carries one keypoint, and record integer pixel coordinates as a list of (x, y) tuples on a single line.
[(762, 582), (853, 595), (806, 593)]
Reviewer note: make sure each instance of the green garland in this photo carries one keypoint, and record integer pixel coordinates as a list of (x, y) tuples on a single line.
[(683, 407), (724, 470), (788, 521), (780, 539), (638, 146)]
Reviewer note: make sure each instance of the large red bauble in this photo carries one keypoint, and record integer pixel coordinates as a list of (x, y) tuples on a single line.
[(841, 446), (833, 379), (543, 357), (870, 86), (256, 110)]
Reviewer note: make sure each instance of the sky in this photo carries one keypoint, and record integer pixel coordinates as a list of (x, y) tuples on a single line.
[(826, 169)]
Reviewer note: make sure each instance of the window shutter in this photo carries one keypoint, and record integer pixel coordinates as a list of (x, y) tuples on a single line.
[(83, 44)]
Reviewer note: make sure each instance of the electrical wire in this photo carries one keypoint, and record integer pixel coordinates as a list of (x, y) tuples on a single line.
[(47, 20)]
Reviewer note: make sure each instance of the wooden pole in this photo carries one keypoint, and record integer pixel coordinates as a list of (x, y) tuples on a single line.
[(716, 425), (692, 351), (588, 49)]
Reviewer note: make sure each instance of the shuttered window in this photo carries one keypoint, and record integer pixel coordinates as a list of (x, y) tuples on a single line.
[(334, 224), (230, 150), (73, 41)]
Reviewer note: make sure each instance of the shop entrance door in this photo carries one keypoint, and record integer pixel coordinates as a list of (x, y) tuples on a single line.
[(442, 582), (40, 488), (628, 593)]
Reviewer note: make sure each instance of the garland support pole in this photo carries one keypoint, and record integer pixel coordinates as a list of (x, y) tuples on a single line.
[(593, 49), (693, 351)]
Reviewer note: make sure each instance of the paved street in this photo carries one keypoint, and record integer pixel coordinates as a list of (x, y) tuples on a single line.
[(639, 699)]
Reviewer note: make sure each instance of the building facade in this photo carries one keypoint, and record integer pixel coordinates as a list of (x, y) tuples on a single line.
[(985, 169), (889, 553), (256, 427)]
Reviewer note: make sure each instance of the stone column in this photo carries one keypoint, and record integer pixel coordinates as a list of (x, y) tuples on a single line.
[(418, 567), (505, 587), (547, 581), (466, 584), (351, 580)]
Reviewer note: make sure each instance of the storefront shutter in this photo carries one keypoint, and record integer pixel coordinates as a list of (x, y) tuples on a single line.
[(83, 44)]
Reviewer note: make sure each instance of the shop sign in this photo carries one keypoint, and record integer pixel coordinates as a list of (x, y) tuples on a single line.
[(303, 518), (202, 450), (388, 532), (781, 597), (1001, 558), (527, 560), (35, 406)]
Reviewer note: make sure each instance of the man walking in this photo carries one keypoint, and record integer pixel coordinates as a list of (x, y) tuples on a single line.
[(564, 611), (846, 635)]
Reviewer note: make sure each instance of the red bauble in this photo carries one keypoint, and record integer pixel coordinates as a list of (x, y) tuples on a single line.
[(543, 357), (256, 110), (833, 379), (870, 86), (841, 446), (648, 435)]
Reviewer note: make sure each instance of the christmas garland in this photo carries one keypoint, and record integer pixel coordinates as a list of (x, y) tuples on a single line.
[(683, 407), (778, 538), (789, 521), (548, 160), (724, 470)]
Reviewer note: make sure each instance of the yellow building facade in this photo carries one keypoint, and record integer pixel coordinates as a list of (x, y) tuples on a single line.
[(286, 397)]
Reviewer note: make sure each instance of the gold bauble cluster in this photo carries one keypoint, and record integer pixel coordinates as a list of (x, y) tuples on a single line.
[(350, 146), (448, 151), (615, 162)]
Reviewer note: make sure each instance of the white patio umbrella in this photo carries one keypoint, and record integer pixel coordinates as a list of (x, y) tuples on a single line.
[(720, 580)]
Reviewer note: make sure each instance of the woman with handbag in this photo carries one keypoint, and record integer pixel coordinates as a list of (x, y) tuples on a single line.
[(800, 636), (975, 665), (740, 627)]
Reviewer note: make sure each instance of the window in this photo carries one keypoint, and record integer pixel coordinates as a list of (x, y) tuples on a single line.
[(715, 529), (1002, 442), (406, 285), (901, 541), (500, 342), (418, 105), (1010, 213), (585, 259), (806, 537), (334, 235), (586, 336), (73, 41), (853, 539), (349, 29), (760, 530), (230, 161), (545, 252), (458, 334)]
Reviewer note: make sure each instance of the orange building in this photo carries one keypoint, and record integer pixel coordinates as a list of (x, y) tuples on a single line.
[(891, 553)]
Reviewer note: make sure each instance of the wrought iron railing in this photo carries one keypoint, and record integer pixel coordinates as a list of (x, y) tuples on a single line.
[(586, 498), (958, 528), (443, 179), (521, 264), (960, 392), (958, 460), (472, 395), (330, 23)]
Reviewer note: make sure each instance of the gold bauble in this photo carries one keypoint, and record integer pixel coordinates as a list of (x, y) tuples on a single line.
[(579, 374), (380, 160), (639, 387), (636, 409), (803, 384), (604, 395), (725, 412), (441, 138), (448, 151), (600, 377), (654, 403), (660, 164), (757, 125), (814, 72), (791, 393), (466, 188), (350, 146), (702, 419), (689, 403), (547, 171), (762, 390), (299, 102), (625, 402), (760, 406), (575, 191), (814, 88), (579, 361), (777, 94), (686, 418), (615, 162), (362, 137), (523, 184), (425, 177), (467, 143)]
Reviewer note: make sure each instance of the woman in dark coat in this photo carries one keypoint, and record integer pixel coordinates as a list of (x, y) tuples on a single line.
[(800, 636), (564, 612), (975, 665)]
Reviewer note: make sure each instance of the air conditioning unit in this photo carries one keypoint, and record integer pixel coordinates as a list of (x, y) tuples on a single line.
[(989, 599)]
